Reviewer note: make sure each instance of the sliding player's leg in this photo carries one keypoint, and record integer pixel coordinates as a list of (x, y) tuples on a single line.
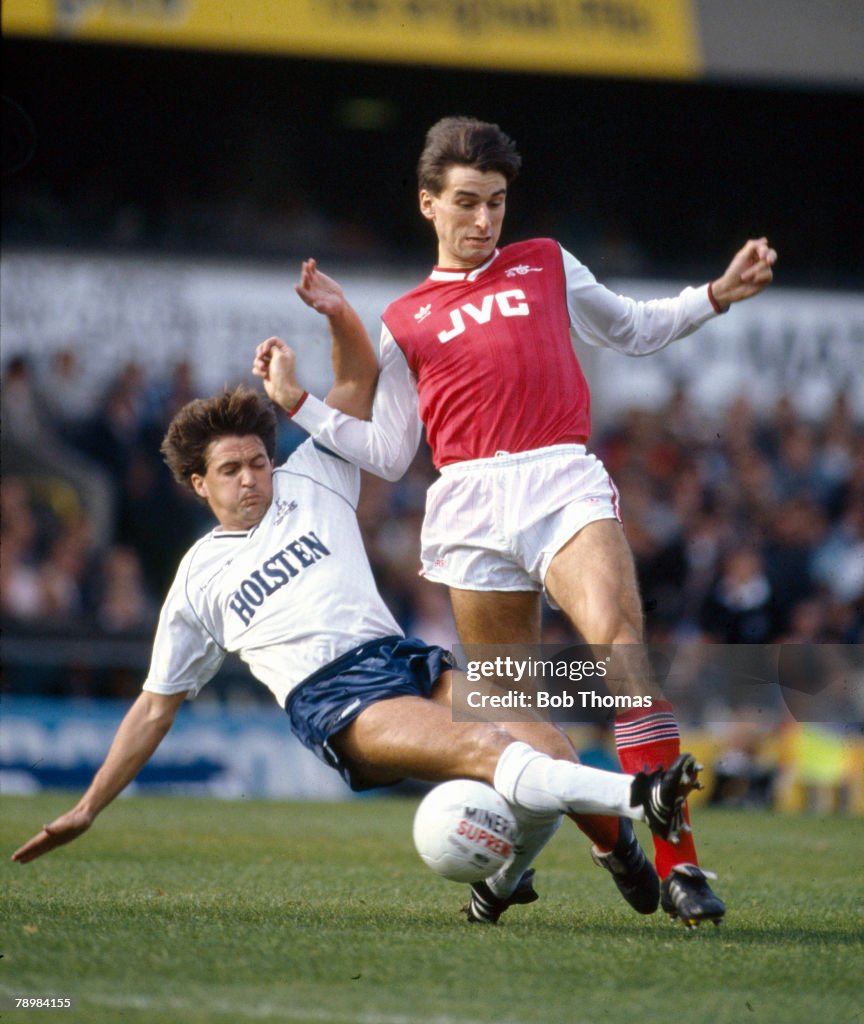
[(416, 737), (513, 617)]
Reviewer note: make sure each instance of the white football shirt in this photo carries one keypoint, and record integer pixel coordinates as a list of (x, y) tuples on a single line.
[(289, 596)]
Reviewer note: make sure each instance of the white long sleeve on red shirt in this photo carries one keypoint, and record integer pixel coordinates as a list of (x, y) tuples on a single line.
[(460, 331), (384, 445)]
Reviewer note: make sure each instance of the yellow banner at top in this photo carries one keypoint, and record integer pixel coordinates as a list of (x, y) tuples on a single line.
[(626, 37)]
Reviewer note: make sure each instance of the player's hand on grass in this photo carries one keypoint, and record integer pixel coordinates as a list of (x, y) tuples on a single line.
[(62, 830), (750, 271), (275, 363), (319, 291)]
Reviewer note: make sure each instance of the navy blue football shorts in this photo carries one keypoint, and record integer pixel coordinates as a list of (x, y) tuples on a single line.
[(330, 699)]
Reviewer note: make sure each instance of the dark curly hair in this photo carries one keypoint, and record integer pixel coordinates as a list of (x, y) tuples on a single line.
[(239, 412), (468, 142)]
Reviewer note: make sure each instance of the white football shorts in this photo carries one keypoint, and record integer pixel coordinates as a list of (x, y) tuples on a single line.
[(497, 523)]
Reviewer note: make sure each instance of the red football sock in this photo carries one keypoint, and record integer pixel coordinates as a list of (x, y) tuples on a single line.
[(600, 829), (647, 739)]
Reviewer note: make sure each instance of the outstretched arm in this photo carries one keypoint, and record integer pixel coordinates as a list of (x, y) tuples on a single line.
[(638, 328), (355, 366), (137, 736), (750, 271)]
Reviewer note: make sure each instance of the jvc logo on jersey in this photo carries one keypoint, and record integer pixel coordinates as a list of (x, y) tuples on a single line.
[(274, 573), (509, 303)]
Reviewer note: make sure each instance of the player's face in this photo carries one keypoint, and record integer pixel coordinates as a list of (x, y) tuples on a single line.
[(467, 214), (238, 484)]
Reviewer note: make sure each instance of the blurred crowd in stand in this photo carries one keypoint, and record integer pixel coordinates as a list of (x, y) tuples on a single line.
[(746, 530), (92, 524)]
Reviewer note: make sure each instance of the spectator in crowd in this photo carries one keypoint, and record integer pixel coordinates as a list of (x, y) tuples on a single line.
[(838, 561), (65, 570), (796, 528), (123, 602), (740, 609), (65, 387), (21, 595), (114, 432), (31, 447)]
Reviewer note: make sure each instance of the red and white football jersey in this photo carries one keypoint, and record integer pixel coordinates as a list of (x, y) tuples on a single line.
[(485, 358), (492, 355)]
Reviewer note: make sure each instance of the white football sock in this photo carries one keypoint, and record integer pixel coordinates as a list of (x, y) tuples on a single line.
[(538, 784), (534, 834)]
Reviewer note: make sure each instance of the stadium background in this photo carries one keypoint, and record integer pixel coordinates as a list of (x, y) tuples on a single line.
[(166, 166)]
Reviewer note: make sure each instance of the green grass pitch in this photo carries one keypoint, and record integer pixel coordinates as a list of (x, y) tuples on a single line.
[(176, 910)]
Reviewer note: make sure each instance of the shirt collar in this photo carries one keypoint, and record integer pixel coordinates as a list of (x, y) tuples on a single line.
[(443, 274)]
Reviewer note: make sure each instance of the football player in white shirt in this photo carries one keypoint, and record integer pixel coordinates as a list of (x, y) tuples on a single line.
[(284, 582), (483, 351)]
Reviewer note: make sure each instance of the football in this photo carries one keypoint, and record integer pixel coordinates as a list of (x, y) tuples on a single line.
[(464, 830)]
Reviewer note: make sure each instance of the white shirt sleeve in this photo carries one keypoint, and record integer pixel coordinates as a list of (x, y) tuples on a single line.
[(386, 444), (337, 473), (603, 319), (185, 655)]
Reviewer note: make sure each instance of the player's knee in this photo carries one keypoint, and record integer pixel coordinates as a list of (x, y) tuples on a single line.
[(485, 742), (613, 625), (623, 633), (556, 745)]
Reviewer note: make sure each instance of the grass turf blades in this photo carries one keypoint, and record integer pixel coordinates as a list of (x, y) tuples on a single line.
[(207, 911)]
